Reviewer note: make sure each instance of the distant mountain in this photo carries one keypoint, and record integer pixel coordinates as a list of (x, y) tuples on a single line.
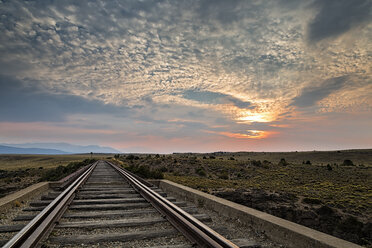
[(67, 148), (16, 150)]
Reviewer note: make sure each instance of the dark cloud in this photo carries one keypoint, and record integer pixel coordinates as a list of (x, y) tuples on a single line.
[(336, 17), (25, 102), (313, 94), (209, 97), (225, 12)]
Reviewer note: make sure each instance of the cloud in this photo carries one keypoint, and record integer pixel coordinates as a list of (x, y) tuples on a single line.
[(219, 10), (27, 102), (249, 134), (127, 52), (336, 17), (209, 97), (313, 94), (204, 65)]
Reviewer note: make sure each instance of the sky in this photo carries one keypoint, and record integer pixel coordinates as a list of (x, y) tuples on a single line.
[(187, 76)]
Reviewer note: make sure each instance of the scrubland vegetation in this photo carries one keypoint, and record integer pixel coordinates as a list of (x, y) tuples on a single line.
[(20, 171), (328, 191), (16, 162), (55, 174)]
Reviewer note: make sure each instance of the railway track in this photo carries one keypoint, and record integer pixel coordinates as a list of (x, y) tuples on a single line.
[(109, 207)]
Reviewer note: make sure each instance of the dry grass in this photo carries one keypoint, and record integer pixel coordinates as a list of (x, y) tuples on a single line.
[(348, 188), (20, 171), (362, 156), (16, 162)]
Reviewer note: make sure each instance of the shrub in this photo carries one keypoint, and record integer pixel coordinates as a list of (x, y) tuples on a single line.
[(282, 162), (157, 162), (145, 171), (308, 200), (308, 162), (266, 164), (348, 162), (193, 160), (256, 163), (329, 167), (224, 175), (130, 157), (62, 171), (325, 210), (200, 171), (156, 174)]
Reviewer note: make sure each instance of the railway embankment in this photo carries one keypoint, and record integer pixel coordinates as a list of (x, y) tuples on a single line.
[(277, 229)]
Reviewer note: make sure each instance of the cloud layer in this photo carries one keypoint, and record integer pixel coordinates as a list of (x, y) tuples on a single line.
[(28, 102), (337, 17), (177, 70)]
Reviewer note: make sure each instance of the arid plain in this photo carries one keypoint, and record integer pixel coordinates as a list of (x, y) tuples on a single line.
[(328, 191)]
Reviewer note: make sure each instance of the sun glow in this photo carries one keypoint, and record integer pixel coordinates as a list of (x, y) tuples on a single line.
[(247, 116), (251, 134)]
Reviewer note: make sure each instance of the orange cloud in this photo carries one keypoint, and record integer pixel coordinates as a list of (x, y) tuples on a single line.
[(280, 125), (182, 120), (251, 134)]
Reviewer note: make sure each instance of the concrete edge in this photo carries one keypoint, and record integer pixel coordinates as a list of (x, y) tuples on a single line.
[(22, 195), (277, 229)]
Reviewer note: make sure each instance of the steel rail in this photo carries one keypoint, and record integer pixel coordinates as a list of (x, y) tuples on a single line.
[(39, 226), (193, 229), (65, 182)]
